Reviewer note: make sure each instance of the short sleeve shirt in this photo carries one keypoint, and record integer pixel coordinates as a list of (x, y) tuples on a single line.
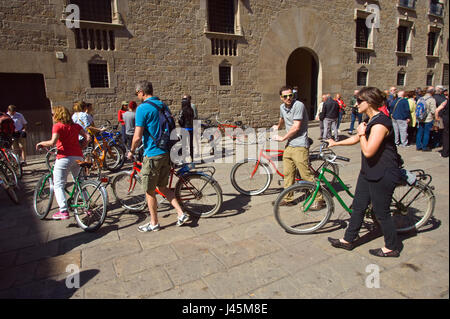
[(297, 112), (130, 119), (83, 119), (19, 121), (67, 143), (147, 116)]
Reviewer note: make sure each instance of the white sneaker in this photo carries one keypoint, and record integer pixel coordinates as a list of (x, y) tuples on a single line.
[(181, 220), (148, 227)]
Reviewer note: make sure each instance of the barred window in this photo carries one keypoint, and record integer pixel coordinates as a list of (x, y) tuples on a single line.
[(94, 10), (402, 39), (98, 75), (221, 16), (430, 77), (432, 41), (401, 75), (362, 77), (445, 75), (362, 33), (225, 75)]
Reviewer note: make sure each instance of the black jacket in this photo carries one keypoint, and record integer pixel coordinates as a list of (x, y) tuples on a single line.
[(330, 109)]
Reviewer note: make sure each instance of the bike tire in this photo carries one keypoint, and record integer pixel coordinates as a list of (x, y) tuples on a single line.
[(50, 158), (246, 184), (293, 219), (199, 195), (114, 159), (410, 212), (127, 190), (92, 213), (14, 161), (43, 196)]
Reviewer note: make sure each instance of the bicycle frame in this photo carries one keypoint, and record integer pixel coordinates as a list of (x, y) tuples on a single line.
[(71, 194)]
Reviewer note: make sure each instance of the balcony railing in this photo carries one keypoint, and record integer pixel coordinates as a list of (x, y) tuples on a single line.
[(436, 9), (410, 4)]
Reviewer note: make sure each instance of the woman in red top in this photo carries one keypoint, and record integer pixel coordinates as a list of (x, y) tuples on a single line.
[(65, 136), (123, 109), (342, 107)]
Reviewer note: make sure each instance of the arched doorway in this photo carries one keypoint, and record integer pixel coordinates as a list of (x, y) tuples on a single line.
[(302, 70)]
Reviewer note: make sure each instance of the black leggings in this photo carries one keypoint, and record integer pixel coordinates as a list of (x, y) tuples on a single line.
[(379, 193)]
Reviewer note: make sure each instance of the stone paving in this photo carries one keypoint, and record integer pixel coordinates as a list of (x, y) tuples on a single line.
[(239, 253)]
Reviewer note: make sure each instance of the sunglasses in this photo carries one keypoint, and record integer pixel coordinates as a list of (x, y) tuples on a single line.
[(359, 101), (137, 93), (286, 96)]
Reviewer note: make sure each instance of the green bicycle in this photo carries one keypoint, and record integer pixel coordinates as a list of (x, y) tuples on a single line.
[(88, 199), (411, 207)]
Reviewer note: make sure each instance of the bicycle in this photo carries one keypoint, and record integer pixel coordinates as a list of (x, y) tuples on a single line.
[(411, 207), (8, 180), (253, 176), (88, 199), (198, 193), (104, 154), (12, 158)]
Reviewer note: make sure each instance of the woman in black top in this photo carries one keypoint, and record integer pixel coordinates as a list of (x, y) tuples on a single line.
[(380, 173), (186, 120)]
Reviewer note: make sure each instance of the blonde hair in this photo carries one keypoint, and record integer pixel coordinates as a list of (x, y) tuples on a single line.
[(62, 115), (78, 106)]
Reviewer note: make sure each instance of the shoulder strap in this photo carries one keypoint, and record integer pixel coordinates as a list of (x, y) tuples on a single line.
[(395, 107)]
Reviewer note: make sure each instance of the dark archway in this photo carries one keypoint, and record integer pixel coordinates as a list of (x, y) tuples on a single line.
[(302, 70)]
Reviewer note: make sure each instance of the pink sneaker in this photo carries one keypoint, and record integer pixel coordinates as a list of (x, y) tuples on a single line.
[(61, 215)]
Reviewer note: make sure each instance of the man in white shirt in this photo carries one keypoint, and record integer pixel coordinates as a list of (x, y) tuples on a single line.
[(20, 134)]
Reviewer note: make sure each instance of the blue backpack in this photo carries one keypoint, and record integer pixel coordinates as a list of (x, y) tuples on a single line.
[(421, 110), (166, 125)]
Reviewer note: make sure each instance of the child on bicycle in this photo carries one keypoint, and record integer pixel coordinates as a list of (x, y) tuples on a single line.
[(65, 135)]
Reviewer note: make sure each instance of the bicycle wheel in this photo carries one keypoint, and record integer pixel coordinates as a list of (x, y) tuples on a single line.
[(199, 195), (128, 191), (50, 158), (90, 205), (250, 178), (316, 165), (412, 206), (293, 218), (14, 161), (43, 196), (115, 158)]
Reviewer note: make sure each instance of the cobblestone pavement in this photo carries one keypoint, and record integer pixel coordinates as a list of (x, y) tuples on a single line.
[(239, 253)]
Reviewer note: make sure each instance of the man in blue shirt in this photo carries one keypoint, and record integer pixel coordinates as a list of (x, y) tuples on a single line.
[(401, 115), (156, 164)]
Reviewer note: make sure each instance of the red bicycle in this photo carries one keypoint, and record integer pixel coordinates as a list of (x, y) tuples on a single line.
[(198, 193), (253, 176), (11, 158)]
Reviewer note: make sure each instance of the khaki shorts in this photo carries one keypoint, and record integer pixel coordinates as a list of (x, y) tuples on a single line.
[(19, 143), (155, 172)]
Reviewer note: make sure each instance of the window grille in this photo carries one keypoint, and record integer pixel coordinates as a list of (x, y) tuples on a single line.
[(362, 77), (226, 47), (432, 41), (362, 33), (363, 57), (221, 16), (445, 75), (225, 75), (402, 39), (98, 75), (402, 61), (94, 39), (430, 79), (401, 78)]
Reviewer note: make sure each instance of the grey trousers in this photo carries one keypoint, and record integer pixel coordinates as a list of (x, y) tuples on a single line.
[(330, 124), (401, 132)]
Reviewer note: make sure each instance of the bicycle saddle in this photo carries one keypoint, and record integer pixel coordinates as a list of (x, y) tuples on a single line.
[(84, 164)]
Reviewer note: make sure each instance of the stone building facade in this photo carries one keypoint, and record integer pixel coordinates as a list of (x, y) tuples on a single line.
[(231, 56)]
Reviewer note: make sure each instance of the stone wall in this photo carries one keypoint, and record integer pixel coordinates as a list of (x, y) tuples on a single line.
[(164, 42)]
